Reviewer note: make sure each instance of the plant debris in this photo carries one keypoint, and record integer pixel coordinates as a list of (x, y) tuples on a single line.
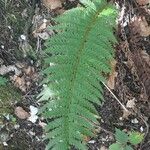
[(21, 113)]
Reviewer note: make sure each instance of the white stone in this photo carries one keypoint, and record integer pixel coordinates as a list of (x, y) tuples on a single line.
[(91, 142), (135, 121), (141, 129), (23, 37)]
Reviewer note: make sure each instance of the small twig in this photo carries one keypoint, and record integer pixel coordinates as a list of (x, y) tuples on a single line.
[(115, 97)]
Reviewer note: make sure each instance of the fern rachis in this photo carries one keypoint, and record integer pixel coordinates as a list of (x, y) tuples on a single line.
[(81, 52)]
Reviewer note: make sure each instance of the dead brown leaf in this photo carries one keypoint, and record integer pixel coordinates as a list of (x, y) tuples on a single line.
[(29, 70), (112, 76), (21, 113), (131, 103), (52, 4), (86, 138), (126, 114), (41, 28), (143, 2), (141, 26), (42, 124), (103, 148), (19, 82)]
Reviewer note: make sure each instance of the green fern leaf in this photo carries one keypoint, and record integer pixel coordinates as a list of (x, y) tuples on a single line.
[(81, 52)]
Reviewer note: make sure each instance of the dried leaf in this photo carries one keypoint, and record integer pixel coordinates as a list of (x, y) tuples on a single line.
[(143, 2), (52, 4), (126, 114), (21, 113), (41, 30), (29, 70), (40, 25), (19, 82), (140, 25), (112, 76), (131, 104), (86, 138), (20, 65), (42, 124), (43, 35)]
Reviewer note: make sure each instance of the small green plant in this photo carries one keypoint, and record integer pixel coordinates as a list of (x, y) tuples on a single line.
[(2, 81), (124, 140)]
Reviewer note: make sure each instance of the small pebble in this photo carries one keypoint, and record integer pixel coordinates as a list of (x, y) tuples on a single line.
[(5, 144), (2, 46), (9, 27), (31, 133), (16, 126), (23, 37), (91, 142), (135, 121), (141, 129)]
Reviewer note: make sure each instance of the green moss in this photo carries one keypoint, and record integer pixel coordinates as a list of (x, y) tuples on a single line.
[(8, 95), (15, 21)]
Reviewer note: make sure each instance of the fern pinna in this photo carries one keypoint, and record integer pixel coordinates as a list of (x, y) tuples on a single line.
[(80, 52)]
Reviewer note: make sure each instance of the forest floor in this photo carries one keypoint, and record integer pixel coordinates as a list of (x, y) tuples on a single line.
[(24, 29)]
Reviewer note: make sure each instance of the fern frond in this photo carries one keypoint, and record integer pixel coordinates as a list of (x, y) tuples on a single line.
[(81, 52)]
